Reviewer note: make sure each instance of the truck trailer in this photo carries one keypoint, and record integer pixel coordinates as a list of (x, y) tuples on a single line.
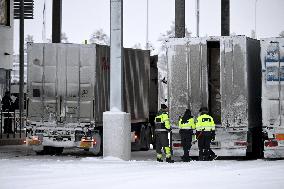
[(272, 61), (68, 90), (224, 75)]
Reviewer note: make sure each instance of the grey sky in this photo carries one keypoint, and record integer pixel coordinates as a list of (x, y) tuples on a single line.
[(81, 18)]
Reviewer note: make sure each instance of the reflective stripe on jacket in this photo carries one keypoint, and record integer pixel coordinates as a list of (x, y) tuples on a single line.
[(205, 122), (188, 125)]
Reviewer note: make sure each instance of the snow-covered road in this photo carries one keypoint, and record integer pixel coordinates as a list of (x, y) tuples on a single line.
[(20, 168)]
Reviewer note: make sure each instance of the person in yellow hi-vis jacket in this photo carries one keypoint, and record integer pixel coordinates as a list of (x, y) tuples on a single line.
[(162, 124), (205, 132), (186, 126)]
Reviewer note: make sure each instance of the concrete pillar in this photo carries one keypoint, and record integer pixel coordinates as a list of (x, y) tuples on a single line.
[(116, 124), (56, 21), (225, 17), (117, 135), (197, 18), (22, 62), (116, 56), (179, 18)]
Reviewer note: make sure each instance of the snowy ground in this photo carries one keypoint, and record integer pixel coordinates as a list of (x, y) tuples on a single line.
[(21, 168)]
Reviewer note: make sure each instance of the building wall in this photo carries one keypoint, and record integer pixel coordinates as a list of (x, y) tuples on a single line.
[(6, 36), (6, 43), (15, 72)]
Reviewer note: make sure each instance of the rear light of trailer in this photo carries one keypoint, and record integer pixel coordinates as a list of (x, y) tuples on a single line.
[(241, 143), (279, 136), (94, 141), (177, 145), (270, 143)]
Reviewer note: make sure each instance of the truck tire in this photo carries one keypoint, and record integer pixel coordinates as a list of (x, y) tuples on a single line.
[(58, 150), (145, 138), (96, 150)]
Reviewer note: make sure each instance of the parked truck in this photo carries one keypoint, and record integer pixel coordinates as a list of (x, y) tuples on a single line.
[(272, 59), (223, 74), (68, 91)]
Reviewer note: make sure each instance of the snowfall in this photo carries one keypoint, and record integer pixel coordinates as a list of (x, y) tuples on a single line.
[(21, 168)]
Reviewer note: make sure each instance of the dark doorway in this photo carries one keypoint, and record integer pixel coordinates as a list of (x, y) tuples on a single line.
[(213, 60)]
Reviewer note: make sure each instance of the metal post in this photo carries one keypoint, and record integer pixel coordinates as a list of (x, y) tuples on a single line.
[(116, 124), (188, 76), (14, 120), (179, 18), (255, 18), (21, 86), (225, 17), (279, 80), (1, 122), (8, 128), (56, 21), (147, 27), (43, 23), (197, 18), (116, 56)]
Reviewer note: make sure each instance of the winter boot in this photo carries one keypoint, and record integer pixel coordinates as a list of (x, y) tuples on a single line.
[(201, 156), (169, 160), (185, 158), (207, 155), (212, 156), (159, 160), (159, 157)]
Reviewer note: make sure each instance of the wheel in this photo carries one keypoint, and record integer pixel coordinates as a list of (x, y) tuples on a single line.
[(58, 150), (145, 139), (97, 146)]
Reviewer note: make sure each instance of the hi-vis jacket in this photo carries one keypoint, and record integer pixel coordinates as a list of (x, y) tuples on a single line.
[(188, 125), (162, 122), (205, 123)]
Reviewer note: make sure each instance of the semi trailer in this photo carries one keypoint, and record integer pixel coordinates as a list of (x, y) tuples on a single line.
[(68, 91), (223, 74), (272, 62)]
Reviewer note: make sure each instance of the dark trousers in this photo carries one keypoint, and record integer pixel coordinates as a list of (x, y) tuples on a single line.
[(186, 139), (204, 139), (161, 141), (7, 123)]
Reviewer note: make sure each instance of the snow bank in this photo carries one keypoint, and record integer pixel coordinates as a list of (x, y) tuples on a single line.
[(113, 173)]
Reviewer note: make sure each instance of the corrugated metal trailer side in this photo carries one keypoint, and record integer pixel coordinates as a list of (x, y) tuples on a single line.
[(223, 74), (102, 83), (272, 59), (136, 83), (68, 88), (78, 76), (61, 82), (153, 88)]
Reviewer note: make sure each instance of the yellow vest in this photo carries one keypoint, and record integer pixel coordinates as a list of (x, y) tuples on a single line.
[(163, 118), (205, 122), (188, 125)]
